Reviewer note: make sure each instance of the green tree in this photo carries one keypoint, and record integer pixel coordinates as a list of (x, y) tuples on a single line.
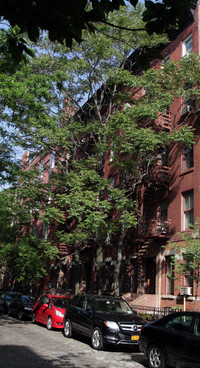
[(186, 259), (70, 19), (21, 252), (88, 81)]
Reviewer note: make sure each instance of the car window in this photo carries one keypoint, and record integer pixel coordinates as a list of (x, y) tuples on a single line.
[(89, 304), (41, 300), (180, 323), (81, 301), (46, 300), (197, 327), (106, 305), (60, 302), (75, 300)]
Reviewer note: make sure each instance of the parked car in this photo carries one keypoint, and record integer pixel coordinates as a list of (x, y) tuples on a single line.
[(106, 320), (50, 309), (5, 300), (22, 306), (172, 341)]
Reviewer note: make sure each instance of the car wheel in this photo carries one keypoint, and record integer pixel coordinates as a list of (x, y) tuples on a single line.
[(33, 318), (67, 328), (97, 339), (155, 357), (49, 323)]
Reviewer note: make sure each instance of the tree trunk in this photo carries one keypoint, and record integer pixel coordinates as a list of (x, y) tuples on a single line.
[(118, 263), (77, 268), (99, 260)]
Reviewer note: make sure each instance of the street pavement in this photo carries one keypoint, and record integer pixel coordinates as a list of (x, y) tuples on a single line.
[(27, 345)]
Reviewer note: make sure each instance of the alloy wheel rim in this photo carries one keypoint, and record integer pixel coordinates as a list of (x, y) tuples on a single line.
[(67, 328), (155, 358), (49, 324), (96, 338)]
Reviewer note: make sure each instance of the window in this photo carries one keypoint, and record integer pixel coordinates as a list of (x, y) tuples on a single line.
[(166, 60), (187, 46), (188, 160), (188, 276), (45, 230), (81, 301), (197, 327), (162, 217), (35, 231), (164, 210), (41, 172), (188, 209), (112, 181), (169, 275), (180, 323), (52, 163), (164, 157)]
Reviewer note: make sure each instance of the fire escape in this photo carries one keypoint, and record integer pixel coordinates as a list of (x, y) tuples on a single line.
[(153, 225)]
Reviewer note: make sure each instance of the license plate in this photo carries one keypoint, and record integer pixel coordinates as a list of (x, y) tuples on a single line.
[(135, 338)]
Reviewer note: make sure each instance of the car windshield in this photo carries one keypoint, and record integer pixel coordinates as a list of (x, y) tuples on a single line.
[(105, 305), (60, 302)]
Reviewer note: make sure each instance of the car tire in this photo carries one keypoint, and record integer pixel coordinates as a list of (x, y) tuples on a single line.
[(97, 339), (67, 328), (33, 318), (156, 357), (49, 323)]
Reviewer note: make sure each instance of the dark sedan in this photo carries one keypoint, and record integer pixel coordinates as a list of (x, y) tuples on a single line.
[(22, 306), (106, 320), (5, 300), (172, 341)]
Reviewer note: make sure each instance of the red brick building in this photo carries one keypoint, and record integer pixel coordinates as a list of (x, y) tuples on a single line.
[(166, 207)]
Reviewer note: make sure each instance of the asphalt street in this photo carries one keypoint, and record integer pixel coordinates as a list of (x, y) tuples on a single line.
[(27, 345)]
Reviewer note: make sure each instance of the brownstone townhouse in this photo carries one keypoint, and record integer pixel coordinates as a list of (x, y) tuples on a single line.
[(166, 207)]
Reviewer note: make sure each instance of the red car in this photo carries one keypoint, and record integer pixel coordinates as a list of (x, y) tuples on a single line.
[(50, 310)]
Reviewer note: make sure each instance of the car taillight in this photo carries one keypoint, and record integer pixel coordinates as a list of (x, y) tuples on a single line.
[(142, 328)]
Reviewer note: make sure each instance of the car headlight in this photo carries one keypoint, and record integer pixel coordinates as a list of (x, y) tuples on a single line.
[(58, 313), (112, 325)]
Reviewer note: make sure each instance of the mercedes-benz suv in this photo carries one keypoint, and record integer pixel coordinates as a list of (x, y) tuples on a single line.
[(106, 320)]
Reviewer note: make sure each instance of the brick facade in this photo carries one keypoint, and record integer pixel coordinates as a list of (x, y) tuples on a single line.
[(144, 261)]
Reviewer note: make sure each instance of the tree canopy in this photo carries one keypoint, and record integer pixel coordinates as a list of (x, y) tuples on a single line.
[(36, 101), (65, 20)]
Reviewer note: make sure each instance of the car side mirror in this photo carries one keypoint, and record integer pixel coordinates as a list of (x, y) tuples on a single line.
[(45, 305)]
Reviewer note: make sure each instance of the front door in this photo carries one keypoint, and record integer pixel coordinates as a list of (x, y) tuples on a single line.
[(150, 275)]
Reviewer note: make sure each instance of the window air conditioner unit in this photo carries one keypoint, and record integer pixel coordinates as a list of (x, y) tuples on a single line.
[(186, 290), (186, 109)]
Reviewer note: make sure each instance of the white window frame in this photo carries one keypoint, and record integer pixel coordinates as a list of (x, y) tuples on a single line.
[(189, 210), (186, 51)]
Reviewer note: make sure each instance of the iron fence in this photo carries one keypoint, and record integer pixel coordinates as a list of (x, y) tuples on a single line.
[(152, 313)]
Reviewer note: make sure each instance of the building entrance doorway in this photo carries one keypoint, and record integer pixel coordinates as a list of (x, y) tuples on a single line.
[(150, 275)]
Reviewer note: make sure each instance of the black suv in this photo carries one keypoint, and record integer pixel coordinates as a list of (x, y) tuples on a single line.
[(106, 320)]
